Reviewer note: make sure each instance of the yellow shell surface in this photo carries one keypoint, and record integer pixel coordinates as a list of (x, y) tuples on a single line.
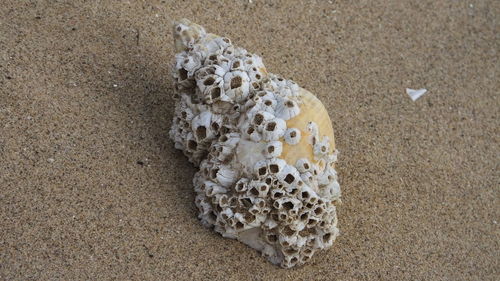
[(311, 109)]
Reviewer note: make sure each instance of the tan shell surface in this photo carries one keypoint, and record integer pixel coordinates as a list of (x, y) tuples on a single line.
[(311, 109)]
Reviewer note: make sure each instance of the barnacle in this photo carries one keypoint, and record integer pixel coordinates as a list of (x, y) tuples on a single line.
[(264, 148)]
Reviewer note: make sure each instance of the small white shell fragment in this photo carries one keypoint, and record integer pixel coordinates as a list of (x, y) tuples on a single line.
[(415, 94), (263, 145)]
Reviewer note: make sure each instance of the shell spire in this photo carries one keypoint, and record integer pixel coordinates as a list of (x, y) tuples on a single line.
[(264, 147)]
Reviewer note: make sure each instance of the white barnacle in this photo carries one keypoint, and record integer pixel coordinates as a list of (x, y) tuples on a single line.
[(288, 176), (253, 61), (273, 149), (186, 34), (267, 104), (276, 165), (309, 178), (331, 191), (287, 109), (277, 194), (237, 64), (230, 52), (189, 61), (191, 143), (207, 84), (250, 132), (236, 85), (225, 148), (283, 86), (294, 88), (210, 45), (327, 176), (257, 189), (292, 136), (240, 223), (289, 205), (222, 200), (288, 236), (217, 122), (273, 129), (259, 119), (306, 194), (240, 125), (201, 126), (321, 148), (270, 224), (303, 165), (326, 238), (260, 169), (312, 128), (260, 203), (185, 113), (224, 63), (213, 189), (261, 101), (242, 185), (226, 175)]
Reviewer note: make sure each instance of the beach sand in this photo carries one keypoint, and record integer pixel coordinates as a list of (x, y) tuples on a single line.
[(92, 188)]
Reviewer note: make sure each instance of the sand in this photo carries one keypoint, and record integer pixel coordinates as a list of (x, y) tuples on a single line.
[(92, 188)]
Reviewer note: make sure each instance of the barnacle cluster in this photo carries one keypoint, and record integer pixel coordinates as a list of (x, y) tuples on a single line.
[(263, 145)]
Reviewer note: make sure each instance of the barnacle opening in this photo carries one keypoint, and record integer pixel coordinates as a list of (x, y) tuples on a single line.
[(289, 178), (258, 119), (215, 93), (201, 132), (271, 126), (262, 171), (183, 74), (209, 81), (273, 168), (192, 145), (236, 82)]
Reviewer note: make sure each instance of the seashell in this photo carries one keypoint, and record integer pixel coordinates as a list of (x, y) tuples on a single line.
[(264, 146), (292, 136)]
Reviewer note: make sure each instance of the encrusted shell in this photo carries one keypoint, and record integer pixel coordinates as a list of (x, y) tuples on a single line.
[(264, 148)]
